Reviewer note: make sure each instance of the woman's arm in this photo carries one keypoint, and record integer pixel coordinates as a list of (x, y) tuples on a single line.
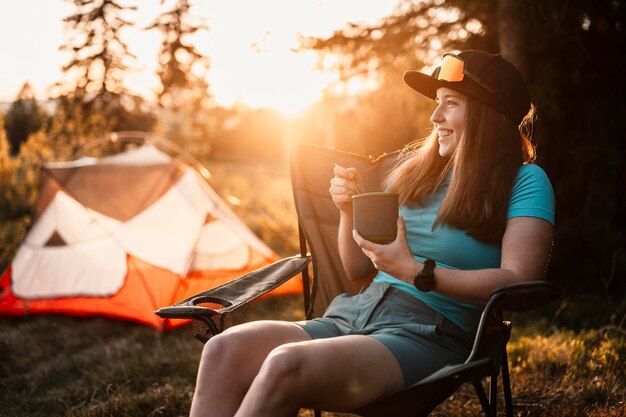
[(342, 188), (526, 248)]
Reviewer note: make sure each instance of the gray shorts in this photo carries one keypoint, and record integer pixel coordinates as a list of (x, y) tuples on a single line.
[(421, 340)]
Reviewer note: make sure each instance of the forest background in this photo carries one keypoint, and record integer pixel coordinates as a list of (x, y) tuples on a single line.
[(570, 51)]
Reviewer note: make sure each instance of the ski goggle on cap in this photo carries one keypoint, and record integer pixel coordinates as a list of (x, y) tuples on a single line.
[(488, 78)]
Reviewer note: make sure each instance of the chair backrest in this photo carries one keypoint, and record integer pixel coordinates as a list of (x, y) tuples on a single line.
[(318, 218)]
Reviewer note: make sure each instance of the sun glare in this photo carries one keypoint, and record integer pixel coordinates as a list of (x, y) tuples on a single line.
[(278, 79)]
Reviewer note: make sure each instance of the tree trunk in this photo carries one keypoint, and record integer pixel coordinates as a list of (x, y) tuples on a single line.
[(513, 32)]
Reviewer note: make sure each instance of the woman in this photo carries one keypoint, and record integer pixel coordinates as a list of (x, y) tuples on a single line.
[(474, 217)]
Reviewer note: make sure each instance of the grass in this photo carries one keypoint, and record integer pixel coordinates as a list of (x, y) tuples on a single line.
[(52, 365)]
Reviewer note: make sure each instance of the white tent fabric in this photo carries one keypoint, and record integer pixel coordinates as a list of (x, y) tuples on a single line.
[(95, 268), (72, 221), (180, 221), (215, 252)]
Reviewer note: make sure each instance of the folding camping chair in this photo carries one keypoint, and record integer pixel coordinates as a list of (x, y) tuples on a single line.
[(311, 170)]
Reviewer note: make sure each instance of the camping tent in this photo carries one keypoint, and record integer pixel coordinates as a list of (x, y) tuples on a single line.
[(125, 234)]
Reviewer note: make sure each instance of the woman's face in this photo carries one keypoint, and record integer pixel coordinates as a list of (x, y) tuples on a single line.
[(449, 119)]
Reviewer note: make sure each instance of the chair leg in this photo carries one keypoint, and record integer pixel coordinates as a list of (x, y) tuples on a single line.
[(482, 396), (493, 393), (506, 386)]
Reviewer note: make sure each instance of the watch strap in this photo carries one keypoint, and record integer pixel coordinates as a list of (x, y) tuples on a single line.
[(429, 267)]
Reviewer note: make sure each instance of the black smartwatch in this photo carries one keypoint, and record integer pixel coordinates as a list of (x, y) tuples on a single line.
[(425, 279)]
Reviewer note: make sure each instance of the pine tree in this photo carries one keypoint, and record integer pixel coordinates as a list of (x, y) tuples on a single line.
[(100, 57), (411, 37), (177, 58), (7, 170), (184, 96), (14, 210), (24, 117), (7, 180)]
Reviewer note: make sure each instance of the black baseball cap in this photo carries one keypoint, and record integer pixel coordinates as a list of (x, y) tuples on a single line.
[(486, 77)]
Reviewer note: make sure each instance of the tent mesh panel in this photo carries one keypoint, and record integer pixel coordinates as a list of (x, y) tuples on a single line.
[(201, 329)]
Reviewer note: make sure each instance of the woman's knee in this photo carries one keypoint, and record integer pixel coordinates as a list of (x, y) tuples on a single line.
[(222, 349), (284, 368)]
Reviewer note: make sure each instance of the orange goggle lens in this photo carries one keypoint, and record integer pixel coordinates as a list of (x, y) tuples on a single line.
[(450, 69)]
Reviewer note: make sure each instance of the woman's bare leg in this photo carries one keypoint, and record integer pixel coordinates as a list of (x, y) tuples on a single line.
[(338, 374), (231, 360)]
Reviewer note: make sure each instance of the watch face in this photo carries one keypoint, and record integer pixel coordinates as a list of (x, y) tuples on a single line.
[(424, 282)]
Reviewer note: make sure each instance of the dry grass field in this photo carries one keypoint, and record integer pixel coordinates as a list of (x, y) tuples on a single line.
[(87, 367)]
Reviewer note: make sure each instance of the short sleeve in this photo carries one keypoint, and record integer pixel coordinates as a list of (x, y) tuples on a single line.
[(532, 194)]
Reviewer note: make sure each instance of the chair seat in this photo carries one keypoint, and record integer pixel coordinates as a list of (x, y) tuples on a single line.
[(422, 397)]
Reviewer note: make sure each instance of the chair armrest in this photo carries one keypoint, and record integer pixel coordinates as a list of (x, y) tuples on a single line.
[(524, 296), (238, 292), (519, 297)]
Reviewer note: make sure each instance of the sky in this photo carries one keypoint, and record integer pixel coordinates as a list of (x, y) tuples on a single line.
[(249, 43)]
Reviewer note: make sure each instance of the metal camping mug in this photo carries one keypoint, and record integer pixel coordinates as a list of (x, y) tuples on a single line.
[(375, 216)]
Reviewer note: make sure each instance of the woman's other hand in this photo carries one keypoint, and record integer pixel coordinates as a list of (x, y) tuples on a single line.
[(394, 258), (346, 183)]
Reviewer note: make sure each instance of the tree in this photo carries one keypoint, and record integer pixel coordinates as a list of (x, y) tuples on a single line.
[(7, 173), (95, 73), (70, 128), (24, 117), (177, 58), (411, 37), (14, 211), (100, 57), (577, 81), (184, 96)]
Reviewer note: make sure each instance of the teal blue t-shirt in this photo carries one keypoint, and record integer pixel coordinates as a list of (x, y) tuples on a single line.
[(532, 196)]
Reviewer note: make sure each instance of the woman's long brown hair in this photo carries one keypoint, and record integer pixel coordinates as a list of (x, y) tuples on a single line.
[(485, 164)]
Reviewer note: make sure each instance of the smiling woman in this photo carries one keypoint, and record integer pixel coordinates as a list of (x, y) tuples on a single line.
[(250, 45)]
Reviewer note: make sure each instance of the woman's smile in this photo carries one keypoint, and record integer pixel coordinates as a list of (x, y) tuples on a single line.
[(443, 133)]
